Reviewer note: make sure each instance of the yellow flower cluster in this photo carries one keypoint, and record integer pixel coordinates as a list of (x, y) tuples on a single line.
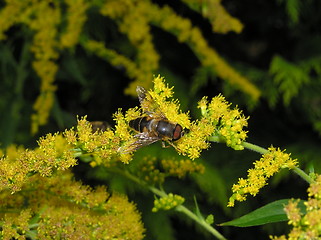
[(168, 202), (220, 20), (53, 153), (162, 106), (149, 172), (132, 18), (165, 18), (117, 60), (153, 171), (305, 225), (230, 122), (61, 207), (195, 140), (269, 164), (217, 120), (15, 225), (106, 147), (59, 151), (43, 18), (180, 168), (76, 17)]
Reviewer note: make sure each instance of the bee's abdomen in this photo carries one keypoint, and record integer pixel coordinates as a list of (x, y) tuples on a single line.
[(139, 124)]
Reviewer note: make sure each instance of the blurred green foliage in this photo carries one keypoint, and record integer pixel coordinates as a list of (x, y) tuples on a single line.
[(278, 52)]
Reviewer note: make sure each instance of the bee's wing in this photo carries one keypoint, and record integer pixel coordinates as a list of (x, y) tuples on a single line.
[(143, 139), (142, 93), (149, 106)]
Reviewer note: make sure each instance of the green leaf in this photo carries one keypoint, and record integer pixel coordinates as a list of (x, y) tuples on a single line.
[(210, 219), (197, 210), (270, 213)]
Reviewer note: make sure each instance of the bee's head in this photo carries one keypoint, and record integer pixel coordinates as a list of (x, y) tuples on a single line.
[(178, 132)]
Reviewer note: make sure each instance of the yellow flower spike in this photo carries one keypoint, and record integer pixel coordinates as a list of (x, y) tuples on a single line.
[(132, 113), (269, 164), (104, 145), (161, 88), (217, 120), (149, 172), (121, 127), (84, 129), (170, 108), (76, 17), (202, 104), (70, 136), (305, 225), (181, 168)]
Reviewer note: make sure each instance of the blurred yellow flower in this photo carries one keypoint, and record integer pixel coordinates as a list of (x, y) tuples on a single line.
[(167, 202), (306, 225)]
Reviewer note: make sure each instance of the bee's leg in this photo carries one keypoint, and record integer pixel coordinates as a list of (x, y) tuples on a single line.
[(169, 144), (166, 146)]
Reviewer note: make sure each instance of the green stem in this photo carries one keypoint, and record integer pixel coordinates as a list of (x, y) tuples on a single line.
[(200, 221), (255, 148), (302, 174), (247, 145), (180, 208), (262, 150)]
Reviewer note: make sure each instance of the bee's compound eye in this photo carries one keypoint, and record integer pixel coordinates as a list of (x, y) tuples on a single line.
[(178, 132)]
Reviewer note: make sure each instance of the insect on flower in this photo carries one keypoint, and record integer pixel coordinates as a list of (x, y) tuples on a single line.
[(153, 126)]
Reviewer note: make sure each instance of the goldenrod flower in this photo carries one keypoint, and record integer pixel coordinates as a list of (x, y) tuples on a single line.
[(51, 203), (148, 171), (180, 168), (220, 20), (133, 19), (167, 202), (161, 93), (217, 120), (270, 163), (15, 225), (76, 17), (183, 29), (155, 171), (308, 225)]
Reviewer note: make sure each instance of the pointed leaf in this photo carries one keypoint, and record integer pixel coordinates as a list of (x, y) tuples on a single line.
[(270, 213), (197, 210)]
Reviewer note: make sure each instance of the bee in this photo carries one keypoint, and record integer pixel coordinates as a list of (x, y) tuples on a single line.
[(153, 126)]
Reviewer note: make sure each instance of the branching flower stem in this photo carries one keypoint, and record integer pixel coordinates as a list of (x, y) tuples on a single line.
[(262, 151), (180, 208), (303, 175), (201, 221)]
